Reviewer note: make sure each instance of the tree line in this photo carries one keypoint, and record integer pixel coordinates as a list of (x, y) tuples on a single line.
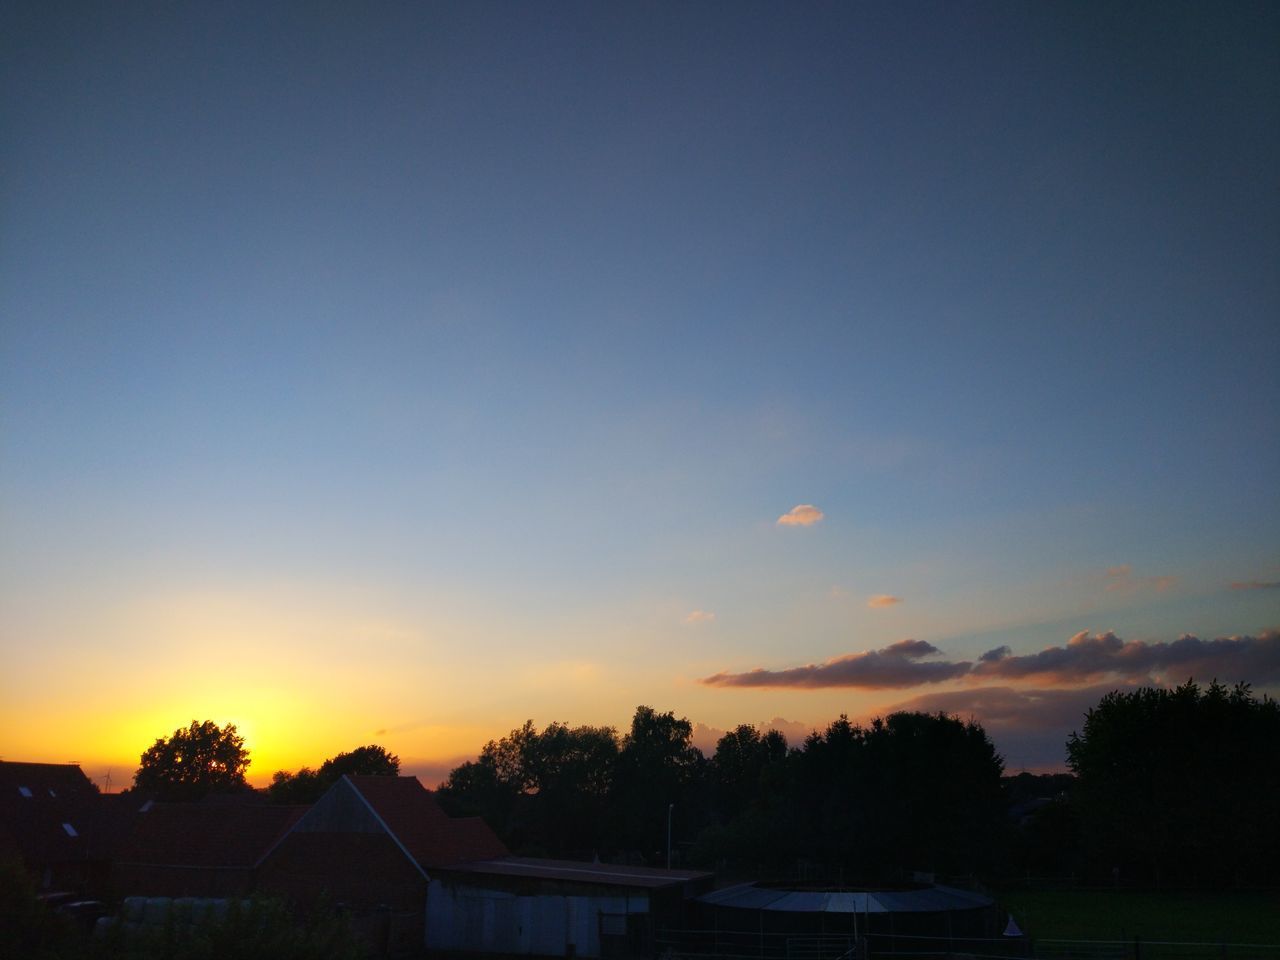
[(910, 791), (1167, 786)]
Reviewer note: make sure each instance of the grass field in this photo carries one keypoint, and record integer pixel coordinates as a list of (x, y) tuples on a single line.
[(1122, 914)]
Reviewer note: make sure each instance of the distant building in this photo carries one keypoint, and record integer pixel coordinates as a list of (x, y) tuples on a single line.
[(52, 821)]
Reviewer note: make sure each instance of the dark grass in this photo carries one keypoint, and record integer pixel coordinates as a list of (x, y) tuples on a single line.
[(1246, 917)]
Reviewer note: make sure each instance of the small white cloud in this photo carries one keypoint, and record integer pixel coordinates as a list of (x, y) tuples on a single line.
[(801, 515), (699, 616), (881, 600)]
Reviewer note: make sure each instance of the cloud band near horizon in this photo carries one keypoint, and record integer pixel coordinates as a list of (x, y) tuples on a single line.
[(1085, 658), (897, 665)]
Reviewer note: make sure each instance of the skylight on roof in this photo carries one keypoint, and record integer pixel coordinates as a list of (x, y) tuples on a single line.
[(71, 831), (25, 791)]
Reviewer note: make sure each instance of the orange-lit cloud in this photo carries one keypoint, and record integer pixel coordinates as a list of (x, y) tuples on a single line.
[(882, 600), (1256, 585), (897, 665), (1121, 580), (699, 616), (801, 515)]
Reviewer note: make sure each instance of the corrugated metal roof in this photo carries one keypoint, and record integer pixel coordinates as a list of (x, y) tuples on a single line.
[(608, 874), (797, 901), (746, 896)]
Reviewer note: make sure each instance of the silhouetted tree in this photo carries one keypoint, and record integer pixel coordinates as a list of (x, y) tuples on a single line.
[(747, 765), (749, 778), (658, 765), (572, 771), (543, 792), (200, 759), (1181, 785), (307, 785), (911, 791)]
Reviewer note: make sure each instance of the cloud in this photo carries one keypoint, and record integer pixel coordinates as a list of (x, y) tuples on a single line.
[(881, 600), (897, 665), (1121, 580), (699, 616), (1086, 658), (801, 515), (1256, 585)]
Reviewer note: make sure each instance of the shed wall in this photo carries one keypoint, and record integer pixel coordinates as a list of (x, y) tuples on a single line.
[(466, 918)]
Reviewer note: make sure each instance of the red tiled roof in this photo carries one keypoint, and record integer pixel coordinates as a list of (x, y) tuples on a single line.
[(207, 835), (431, 836)]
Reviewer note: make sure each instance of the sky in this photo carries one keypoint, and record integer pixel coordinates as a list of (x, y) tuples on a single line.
[(396, 373)]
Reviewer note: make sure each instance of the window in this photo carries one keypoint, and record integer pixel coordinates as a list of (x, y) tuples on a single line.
[(71, 831), (25, 791)]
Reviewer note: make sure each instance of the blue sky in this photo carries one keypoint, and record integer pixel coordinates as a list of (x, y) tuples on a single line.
[(482, 344)]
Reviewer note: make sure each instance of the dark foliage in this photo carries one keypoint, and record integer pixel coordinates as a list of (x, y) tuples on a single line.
[(1180, 786), (911, 791), (307, 785), (196, 761), (544, 792), (28, 928)]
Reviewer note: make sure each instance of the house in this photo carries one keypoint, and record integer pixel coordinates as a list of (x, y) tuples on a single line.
[(52, 821)]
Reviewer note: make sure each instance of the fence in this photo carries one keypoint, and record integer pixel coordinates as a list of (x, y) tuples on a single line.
[(758, 945), (1139, 949)]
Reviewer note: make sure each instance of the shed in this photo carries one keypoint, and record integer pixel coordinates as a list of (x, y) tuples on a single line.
[(526, 906)]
